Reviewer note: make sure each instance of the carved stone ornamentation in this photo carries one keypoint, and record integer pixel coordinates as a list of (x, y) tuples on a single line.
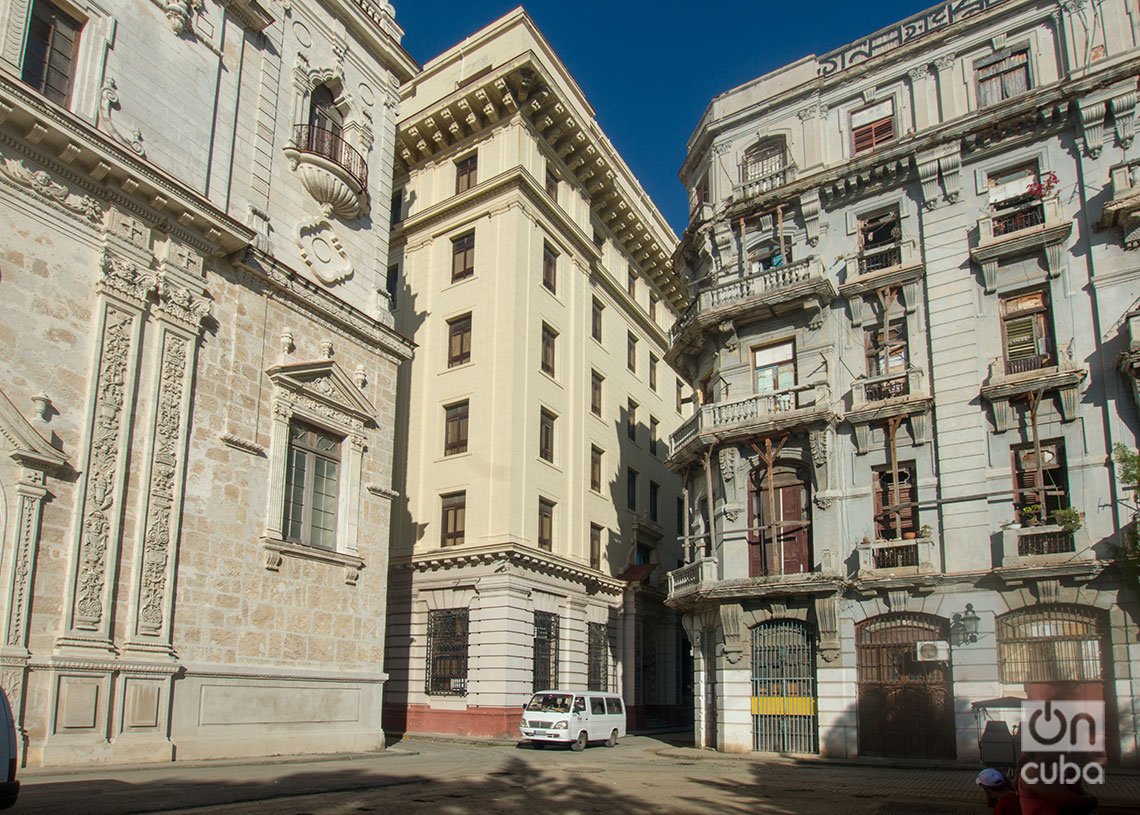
[(44, 184), (102, 488), (109, 102), (322, 251)]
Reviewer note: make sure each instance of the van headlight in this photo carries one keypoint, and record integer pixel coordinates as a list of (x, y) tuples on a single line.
[(560, 725), (522, 722)]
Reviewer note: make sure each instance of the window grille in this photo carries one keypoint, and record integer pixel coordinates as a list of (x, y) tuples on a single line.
[(545, 651), (1051, 643), (447, 652), (597, 676)]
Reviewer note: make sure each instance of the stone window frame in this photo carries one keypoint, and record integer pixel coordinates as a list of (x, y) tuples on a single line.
[(320, 394), (96, 30), (994, 50)]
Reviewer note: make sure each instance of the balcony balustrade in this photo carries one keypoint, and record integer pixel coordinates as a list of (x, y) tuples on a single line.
[(760, 184), (897, 558), (1045, 545), (1018, 228), (876, 398), (1012, 378), (331, 170), (691, 576)]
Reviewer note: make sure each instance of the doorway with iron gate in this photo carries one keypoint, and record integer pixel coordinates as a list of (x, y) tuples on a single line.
[(906, 704), (784, 709)]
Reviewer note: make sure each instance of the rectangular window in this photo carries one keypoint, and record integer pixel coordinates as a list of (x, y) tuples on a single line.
[(880, 241), (549, 268), (631, 283), (596, 380), (455, 428), (392, 283), (462, 257), (466, 172), (598, 655), (653, 372), (454, 521), (549, 335), (653, 306), (631, 351), (1002, 76), (596, 469), (1013, 203), (1040, 482), (49, 51), (599, 239), (546, 435), (397, 207), (551, 184), (873, 126), (311, 476), (631, 488), (447, 652), (653, 423), (654, 490), (595, 546), (769, 256), (1026, 332), (680, 517), (680, 395), (896, 511), (774, 372), (545, 651), (545, 524), (885, 348), (459, 340), (596, 320), (631, 420)]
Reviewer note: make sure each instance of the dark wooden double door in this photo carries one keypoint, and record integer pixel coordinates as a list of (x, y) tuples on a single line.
[(779, 537)]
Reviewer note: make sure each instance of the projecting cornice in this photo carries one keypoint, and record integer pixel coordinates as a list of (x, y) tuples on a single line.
[(523, 87)]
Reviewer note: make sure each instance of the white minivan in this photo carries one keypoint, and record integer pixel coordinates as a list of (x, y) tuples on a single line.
[(572, 717)]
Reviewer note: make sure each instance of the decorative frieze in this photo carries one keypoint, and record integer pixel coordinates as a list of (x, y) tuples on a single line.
[(46, 186)]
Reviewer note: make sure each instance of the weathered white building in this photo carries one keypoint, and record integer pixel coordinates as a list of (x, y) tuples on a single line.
[(536, 518), (914, 334), (197, 376)]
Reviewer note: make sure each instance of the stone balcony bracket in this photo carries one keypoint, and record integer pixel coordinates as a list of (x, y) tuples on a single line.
[(1123, 209), (1001, 389), (1049, 235)]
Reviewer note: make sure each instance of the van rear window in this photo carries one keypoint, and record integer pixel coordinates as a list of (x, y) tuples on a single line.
[(613, 705)]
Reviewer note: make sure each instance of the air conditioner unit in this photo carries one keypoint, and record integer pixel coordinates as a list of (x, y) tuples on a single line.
[(932, 651)]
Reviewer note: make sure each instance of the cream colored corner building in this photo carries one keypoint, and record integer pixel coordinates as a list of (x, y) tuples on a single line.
[(534, 276), (191, 296)]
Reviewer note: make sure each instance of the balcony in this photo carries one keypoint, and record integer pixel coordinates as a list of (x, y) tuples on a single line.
[(876, 398), (1123, 210), (645, 527), (755, 415), (1045, 545), (762, 295), (758, 185), (701, 580), (1013, 378), (884, 559), (1016, 229), (330, 169), (1129, 362)]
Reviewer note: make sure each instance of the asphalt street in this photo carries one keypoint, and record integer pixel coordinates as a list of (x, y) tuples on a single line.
[(642, 774)]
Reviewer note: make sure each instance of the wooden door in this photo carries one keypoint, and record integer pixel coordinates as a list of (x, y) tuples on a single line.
[(781, 545)]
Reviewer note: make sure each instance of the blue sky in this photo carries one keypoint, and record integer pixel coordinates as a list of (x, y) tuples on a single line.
[(650, 69)]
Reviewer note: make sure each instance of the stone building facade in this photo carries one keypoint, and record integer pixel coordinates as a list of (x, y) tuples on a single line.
[(197, 384), (913, 334), (536, 518)]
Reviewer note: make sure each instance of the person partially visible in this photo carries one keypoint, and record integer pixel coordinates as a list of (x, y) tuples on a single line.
[(1039, 797), (1001, 797)]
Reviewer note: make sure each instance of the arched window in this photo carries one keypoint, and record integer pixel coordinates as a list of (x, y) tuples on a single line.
[(1051, 643), (765, 160), (323, 113)]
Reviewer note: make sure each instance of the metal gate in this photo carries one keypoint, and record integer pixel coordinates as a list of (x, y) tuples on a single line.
[(784, 715), (906, 705)]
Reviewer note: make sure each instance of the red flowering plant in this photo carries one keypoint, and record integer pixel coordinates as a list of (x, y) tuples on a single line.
[(1041, 188)]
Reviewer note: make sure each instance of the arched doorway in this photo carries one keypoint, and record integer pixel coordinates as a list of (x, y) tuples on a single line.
[(1058, 651), (779, 521), (906, 705), (784, 712)]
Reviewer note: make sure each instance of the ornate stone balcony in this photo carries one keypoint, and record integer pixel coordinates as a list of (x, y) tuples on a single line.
[(330, 169), (876, 398), (885, 559), (1123, 210), (895, 265), (758, 414), (762, 184), (766, 294), (701, 580), (645, 527), (692, 576), (1009, 379), (1028, 226)]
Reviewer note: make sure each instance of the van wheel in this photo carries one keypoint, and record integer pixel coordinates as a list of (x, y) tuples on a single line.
[(579, 744), (612, 740), (537, 745)]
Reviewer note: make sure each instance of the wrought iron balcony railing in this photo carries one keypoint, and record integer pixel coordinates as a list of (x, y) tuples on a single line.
[(322, 142)]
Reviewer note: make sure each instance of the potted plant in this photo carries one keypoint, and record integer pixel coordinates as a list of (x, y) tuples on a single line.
[(1068, 518), (925, 531), (1031, 514)]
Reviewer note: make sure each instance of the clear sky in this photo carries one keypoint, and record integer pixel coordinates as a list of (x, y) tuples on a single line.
[(651, 69)]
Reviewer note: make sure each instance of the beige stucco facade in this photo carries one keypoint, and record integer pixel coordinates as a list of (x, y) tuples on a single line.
[(186, 282), (554, 225)]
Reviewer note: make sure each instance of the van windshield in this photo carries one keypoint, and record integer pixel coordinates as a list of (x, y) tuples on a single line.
[(550, 703)]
